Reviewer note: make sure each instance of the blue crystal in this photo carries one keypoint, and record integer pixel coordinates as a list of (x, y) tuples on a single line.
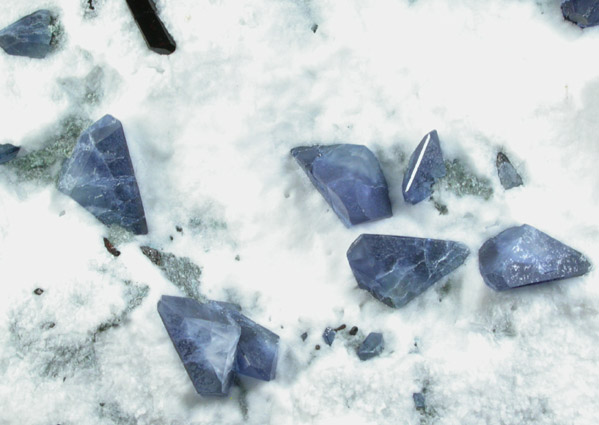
[(258, 349), (425, 165), (419, 401), (205, 338), (396, 269), (350, 179), (99, 176), (523, 255), (584, 13), (8, 152), (30, 36), (329, 335), (508, 176), (372, 346)]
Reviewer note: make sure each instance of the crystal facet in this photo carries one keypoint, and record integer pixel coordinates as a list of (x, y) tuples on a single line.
[(372, 346), (350, 179), (155, 33), (329, 335), (205, 338), (99, 176), (30, 36), (8, 152), (419, 401), (425, 166), (584, 13), (523, 255), (396, 269), (508, 176)]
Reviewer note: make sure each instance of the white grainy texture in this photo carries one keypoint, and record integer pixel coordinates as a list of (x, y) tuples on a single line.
[(209, 129)]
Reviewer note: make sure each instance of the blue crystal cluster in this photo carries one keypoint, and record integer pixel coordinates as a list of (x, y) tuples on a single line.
[(396, 269), (372, 346), (8, 152), (99, 175), (350, 179), (584, 13), (424, 167), (508, 176), (215, 341), (30, 36), (523, 255)]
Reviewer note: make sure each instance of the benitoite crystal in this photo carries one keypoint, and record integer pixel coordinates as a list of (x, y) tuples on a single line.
[(350, 179), (508, 176), (329, 335), (99, 176), (584, 13), (419, 401), (8, 152), (205, 338), (523, 255), (30, 36), (154, 32), (425, 166), (372, 346), (396, 269)]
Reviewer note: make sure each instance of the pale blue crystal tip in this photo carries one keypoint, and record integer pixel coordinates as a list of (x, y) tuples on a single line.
[(372, 346), (8, 152), (424, 167), (30, 36), (584, 13), (508, 176)]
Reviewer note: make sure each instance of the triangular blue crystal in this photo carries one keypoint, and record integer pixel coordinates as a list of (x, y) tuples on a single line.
[(425, 166), (8, 152), (350, 179), (396, 269), (99, 175), (523, 255), (372, 346), (30, 36), (508, 176)]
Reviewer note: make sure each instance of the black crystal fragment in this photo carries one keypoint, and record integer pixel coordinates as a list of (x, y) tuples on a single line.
[(155, 33), (38, 291)]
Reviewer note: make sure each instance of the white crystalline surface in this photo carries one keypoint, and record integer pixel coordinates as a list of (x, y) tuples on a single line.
[(209, 129)]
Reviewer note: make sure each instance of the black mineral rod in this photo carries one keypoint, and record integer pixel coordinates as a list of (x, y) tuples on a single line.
[(157, 37)]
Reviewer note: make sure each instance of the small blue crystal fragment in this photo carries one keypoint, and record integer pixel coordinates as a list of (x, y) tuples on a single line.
[(425, 166), (584, 13), (329, 335), (508, 176), (258, 349), (419, 401), (372, 346), (30, 36), (205, 338), (8, 152), (523, 255), (396, 269), (99, 175), (350, 179)]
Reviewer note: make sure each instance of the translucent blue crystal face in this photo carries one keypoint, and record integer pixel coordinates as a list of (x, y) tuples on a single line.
[(205, 338), (8, 152), (30, 36), (396, 269), (350, 179), (508, 176), (425, 165), (419, 401), (372, 346), (99, 176), (523, 255), (329, 336), (584, 13)]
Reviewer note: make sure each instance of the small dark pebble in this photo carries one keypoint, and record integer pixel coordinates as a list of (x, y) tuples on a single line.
[(314, 28), (110, 248), (48, 325), (304, 336), (340, 328), (38, 291), (171, 238), (237, 258), (102, 404), (353, 330), (317, 347), (90, 3), (179, 229)]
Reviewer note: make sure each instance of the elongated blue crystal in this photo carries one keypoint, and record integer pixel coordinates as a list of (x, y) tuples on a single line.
[(523, 255), (396, 269), (350, 179), (99, 175), (425, 166), (329, 335), (508, 176), (584, 13), (372, 346), (30, 36), (8, 152)]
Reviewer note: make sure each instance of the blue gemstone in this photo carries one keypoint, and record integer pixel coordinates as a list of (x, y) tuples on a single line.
[(350, 179), (508, 176), (419, 401), (372, 346), (258, 349), (396, 269), (523, 255), (8, 152), (99, 176), (584, 13), (205, 338), (425, 166), (30, 36), (329, 335)]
